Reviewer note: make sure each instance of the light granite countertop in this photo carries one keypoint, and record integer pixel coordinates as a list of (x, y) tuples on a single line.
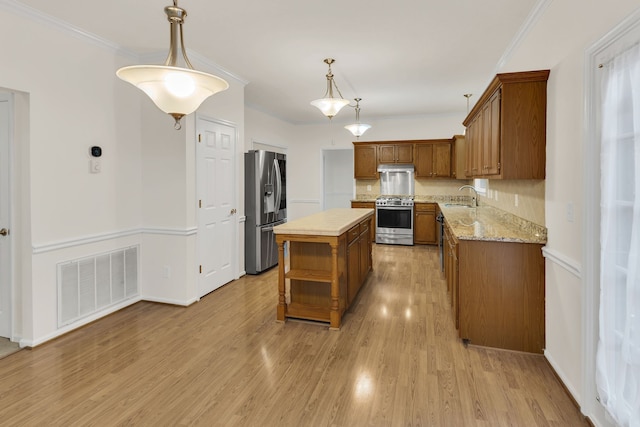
[(491, 224), (332, 222)]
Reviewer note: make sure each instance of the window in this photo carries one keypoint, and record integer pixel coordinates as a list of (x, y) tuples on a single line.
[(618, 353), (480, 185)]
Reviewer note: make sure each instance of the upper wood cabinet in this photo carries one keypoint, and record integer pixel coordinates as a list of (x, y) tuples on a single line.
[(395, 153), (434, 159), (365, 161), (506, 129)]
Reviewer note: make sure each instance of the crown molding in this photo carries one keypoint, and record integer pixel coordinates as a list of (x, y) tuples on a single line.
[(35, 15), (529, 22)]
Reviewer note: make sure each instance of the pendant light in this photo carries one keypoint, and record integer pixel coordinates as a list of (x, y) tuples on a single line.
[(329, 105), (357, 129), (175, 90)]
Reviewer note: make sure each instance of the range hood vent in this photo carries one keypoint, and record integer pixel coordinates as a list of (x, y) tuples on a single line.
[(396, 168)]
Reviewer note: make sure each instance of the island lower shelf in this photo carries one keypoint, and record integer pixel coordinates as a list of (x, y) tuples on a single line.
[(325, 271)]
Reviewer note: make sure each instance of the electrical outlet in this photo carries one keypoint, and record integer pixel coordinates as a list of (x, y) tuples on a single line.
[(496, 194), (368, 187), (515, 200), (166, 272), (570, 215)]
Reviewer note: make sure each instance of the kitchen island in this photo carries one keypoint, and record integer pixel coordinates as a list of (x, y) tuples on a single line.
[(329, 258)]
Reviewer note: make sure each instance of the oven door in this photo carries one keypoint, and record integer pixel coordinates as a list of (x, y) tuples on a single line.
[(394, 225)]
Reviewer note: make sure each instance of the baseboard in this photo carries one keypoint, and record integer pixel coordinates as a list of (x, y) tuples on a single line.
[(76, 325), (182, 303)]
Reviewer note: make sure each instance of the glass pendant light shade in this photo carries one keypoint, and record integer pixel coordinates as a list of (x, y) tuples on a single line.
[(357, 129), (176, 91), (329, 106)]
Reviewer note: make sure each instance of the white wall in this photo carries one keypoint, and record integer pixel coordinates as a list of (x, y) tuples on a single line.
[(70, 99)]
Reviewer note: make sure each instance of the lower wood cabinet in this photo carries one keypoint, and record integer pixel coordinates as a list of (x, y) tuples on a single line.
[(368, 205), (500, 295), (424, 224), (359, 258), (450, 254), (496, 292)]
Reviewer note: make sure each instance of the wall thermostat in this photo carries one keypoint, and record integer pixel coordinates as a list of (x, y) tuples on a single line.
[(96, 151)]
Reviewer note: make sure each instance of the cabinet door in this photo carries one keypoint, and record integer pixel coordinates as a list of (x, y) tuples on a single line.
[(423, 160), (365, 265), (365, 163), (474, 150), (404, 153), (454, 284), (396, 153), (442, 160), (491, 149), (447, 257), (425, 224), (386, 154), (353, 272)]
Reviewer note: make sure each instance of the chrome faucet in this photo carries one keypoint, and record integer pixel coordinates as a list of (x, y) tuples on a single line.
[(475, 199)]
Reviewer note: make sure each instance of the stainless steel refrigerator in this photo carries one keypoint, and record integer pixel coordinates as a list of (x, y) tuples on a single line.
[(265, 204)]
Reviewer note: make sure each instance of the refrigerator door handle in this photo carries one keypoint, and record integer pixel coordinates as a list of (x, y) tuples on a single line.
[(278, 179), (266, 229)]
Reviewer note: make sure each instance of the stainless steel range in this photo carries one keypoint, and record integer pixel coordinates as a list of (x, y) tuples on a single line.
[(394, 207), (394, 220)]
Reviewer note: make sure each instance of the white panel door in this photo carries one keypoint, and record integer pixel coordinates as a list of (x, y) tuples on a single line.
[(5, 244), (217, 219)]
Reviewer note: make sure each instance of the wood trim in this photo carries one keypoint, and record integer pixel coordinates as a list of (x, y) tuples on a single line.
[(501, 79), (407, 141)]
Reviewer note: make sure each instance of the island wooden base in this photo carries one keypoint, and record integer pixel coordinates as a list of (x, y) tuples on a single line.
[(322, 280)]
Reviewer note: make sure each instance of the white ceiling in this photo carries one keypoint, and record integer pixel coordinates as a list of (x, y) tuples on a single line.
[(406, 57)]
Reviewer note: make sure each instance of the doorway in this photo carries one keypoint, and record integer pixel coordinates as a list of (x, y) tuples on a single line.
[(337, 178), (217, 209)]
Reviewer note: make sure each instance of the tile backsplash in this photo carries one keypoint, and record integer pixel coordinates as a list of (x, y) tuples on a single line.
[(500, 194)]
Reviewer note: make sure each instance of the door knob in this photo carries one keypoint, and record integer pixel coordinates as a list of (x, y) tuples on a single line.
[(4, 232)]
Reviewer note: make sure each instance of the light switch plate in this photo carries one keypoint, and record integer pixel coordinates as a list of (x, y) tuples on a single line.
[(95, 166)]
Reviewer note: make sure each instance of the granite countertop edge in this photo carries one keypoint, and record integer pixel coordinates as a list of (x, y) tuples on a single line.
[(487, 223)]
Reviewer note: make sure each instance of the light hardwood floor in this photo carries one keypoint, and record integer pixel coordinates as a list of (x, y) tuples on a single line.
[(225, 361)]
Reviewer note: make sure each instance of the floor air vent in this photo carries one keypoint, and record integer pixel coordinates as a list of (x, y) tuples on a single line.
[(88, 285)]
